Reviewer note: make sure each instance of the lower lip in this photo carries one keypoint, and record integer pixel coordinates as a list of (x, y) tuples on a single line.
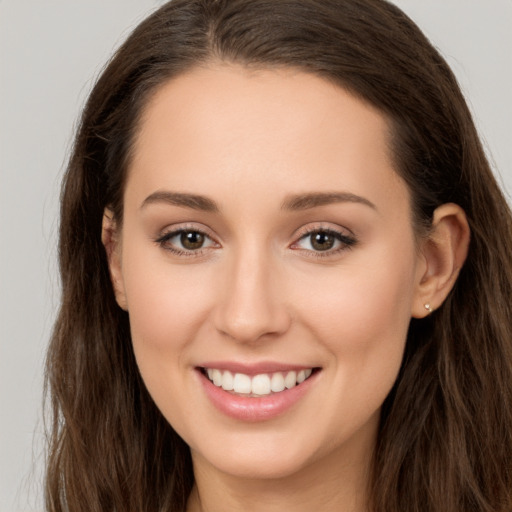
[(253, 409)]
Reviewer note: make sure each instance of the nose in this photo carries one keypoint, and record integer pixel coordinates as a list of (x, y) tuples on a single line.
[(252, 306)]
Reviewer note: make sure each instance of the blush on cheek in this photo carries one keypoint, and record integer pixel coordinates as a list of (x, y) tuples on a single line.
[(365, 322), (164, 305)]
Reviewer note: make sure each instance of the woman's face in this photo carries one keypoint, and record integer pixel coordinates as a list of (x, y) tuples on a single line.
[(266, 239)]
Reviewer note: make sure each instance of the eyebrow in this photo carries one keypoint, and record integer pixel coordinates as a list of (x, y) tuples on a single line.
[(294, 203), (193, 201), (312, 200)]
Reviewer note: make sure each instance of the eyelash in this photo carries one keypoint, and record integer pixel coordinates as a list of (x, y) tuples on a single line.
[(346, 242), (163, 241)]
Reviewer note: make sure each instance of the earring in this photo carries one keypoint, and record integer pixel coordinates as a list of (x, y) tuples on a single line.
[(428, 307)]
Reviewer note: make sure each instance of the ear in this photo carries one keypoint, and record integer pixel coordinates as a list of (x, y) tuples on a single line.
[(443, 253), (110, 237)]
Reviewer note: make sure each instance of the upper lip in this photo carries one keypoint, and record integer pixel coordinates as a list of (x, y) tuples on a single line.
[(255, 368)]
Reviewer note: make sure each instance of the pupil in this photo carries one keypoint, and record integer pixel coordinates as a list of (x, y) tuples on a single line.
[(192, 239), (322, 241)]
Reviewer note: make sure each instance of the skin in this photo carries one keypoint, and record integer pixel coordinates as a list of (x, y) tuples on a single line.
[(258, 291)]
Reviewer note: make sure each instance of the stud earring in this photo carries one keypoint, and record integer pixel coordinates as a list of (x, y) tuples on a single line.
[(428, 307)]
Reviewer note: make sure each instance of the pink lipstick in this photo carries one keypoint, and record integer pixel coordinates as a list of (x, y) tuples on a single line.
[(255, 392)]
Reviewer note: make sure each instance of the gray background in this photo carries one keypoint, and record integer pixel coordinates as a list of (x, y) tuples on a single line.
[(50, 53)]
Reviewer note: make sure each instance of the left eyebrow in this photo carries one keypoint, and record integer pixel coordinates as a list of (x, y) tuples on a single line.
[(193, 201), (314, 199)]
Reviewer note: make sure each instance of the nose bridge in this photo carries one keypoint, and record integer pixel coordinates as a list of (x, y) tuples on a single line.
[(252, 305)]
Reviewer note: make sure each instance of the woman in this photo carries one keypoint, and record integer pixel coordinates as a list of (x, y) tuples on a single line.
[(286, 273)]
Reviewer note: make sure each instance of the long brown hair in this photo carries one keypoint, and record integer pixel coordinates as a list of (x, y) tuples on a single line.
[(445, 440)]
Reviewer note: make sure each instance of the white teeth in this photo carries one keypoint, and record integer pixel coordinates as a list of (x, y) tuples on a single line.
[(290, 380), (242, 383), (258, 385), (277, 382), (261, 385), (227, 381), (217, 377)]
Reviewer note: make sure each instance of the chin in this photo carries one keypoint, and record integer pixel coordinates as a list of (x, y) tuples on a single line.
[(261, 457), (258, 467)]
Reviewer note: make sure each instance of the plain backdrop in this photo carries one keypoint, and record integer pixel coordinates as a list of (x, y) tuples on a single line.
[(50, 53)]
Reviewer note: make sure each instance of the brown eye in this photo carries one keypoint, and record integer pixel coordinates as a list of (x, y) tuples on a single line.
[(186, 242), (192, 240), (322, 240)]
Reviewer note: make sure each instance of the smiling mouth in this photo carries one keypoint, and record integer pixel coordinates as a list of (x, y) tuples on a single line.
[(263, 384)]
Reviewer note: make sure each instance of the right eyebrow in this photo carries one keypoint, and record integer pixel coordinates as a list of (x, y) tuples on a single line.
[(193, 201), (315, 199)]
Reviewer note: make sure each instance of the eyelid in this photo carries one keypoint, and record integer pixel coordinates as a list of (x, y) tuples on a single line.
[(345, 237), (323, 226), (170, 232)]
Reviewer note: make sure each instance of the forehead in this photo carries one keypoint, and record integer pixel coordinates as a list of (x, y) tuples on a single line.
[(226, 124)]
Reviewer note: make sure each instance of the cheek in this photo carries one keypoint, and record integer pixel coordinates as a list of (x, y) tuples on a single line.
[(167, 305), (361, 313), (167, 312)]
